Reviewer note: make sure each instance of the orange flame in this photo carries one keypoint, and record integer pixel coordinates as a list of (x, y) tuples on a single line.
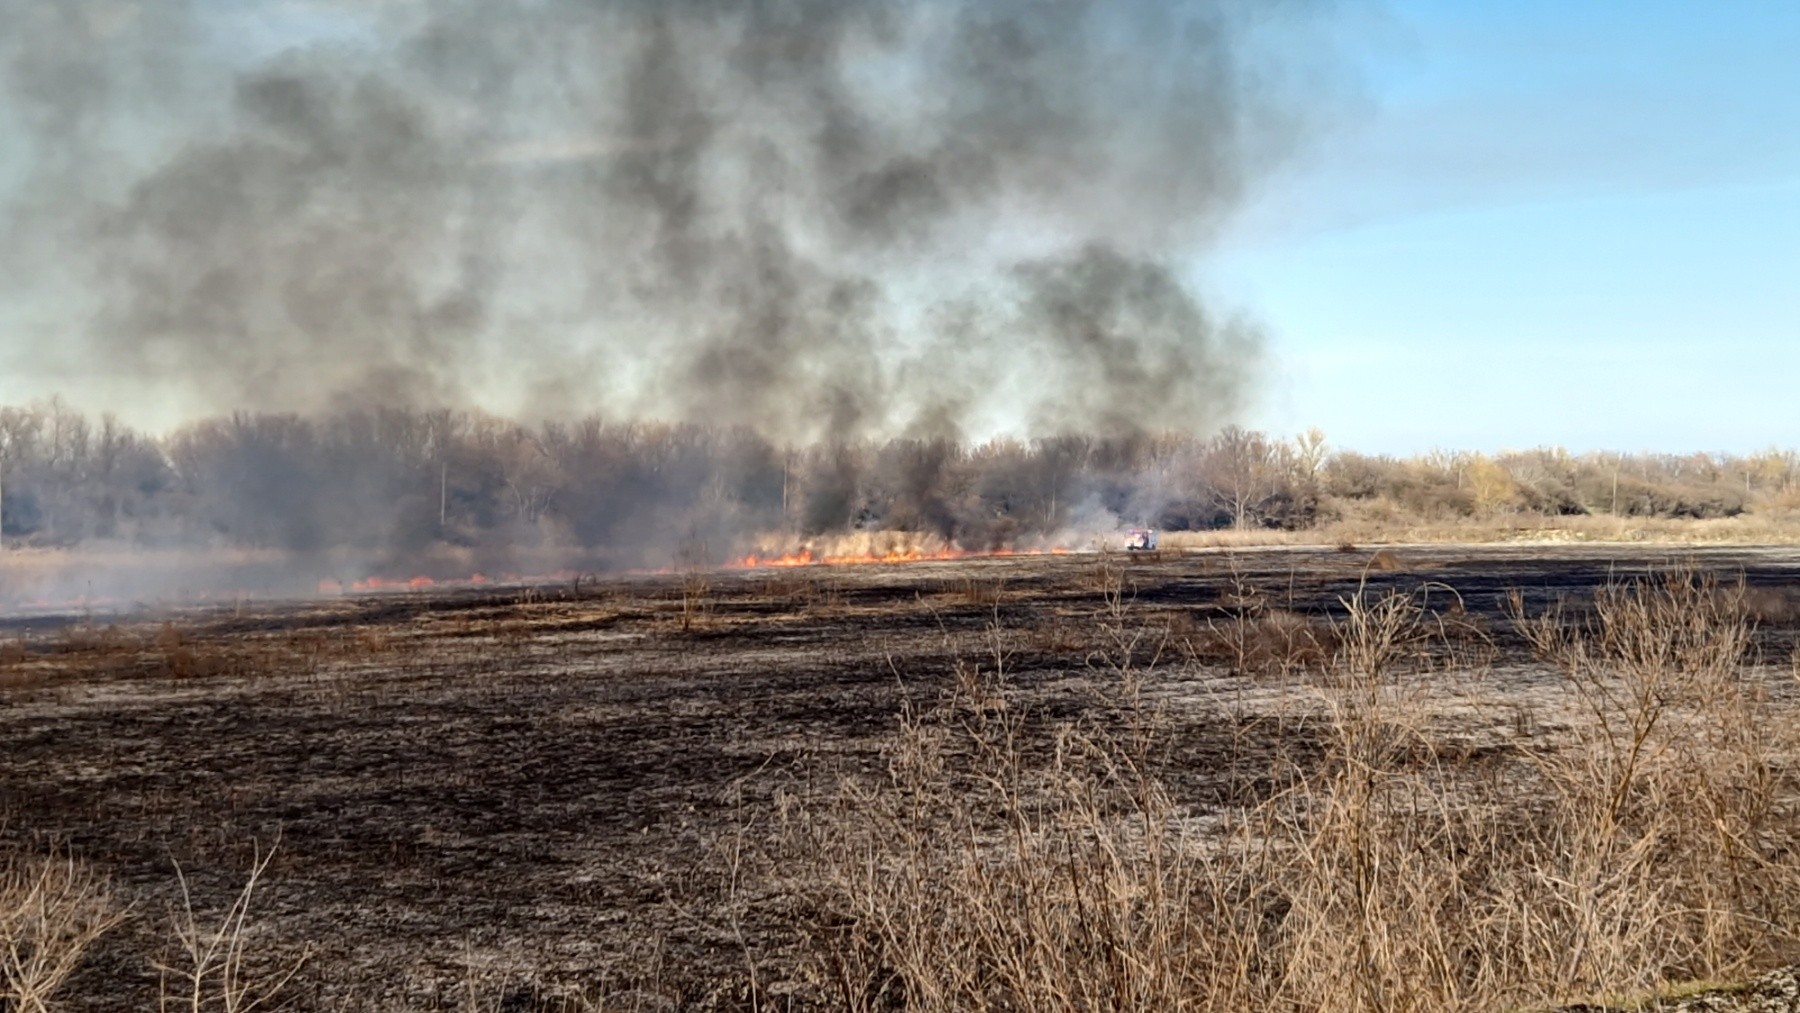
[(754, 561), (910, 554)]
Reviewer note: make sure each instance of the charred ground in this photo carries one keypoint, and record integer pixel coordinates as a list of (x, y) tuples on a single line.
[(532, 794)]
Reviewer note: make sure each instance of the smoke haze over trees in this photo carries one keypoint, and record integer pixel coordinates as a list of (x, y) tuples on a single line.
[(388, 486), (806, 218)]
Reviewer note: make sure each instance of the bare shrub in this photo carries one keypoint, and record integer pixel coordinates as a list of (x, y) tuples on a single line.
[(1264, 641), (216, 965), (1769, 605), (1648, 847), (51, 911), (1680, 768), (1107, 577), (827, 592), (1257, 637), (1058, 636), (175, 655), (1376, 634), (696, 599)]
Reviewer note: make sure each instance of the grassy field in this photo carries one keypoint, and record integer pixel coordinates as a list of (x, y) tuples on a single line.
[(1414, 778)]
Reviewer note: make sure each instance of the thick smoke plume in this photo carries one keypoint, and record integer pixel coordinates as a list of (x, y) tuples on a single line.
[(745, 270), (819, 219)]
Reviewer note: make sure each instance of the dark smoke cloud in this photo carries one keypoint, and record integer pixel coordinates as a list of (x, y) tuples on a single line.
[(820, 219)]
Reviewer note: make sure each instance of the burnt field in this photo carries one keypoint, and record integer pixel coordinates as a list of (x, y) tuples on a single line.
[(584, 794)]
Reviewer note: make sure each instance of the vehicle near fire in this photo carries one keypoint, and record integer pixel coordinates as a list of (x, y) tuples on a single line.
[(1140, 540)]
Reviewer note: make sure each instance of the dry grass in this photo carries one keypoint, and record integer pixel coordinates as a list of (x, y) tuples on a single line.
[(974, 591), (1746, 529), (51, 911), (170, 651), (1649, 843)]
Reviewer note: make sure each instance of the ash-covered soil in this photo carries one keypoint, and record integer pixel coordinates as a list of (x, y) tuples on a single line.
[(530, 794)]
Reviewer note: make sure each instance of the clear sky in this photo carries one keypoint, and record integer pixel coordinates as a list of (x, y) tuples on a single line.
[(1557, 223)]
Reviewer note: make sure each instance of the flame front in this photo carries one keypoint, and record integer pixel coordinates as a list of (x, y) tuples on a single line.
[(846, 554), (907, 554)]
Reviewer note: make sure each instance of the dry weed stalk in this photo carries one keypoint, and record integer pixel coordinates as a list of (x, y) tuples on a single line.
[(1682, 768), (215, 970), (696, 598), (51, 912)]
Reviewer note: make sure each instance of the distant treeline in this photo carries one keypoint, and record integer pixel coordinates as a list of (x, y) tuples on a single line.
[(397, 480)]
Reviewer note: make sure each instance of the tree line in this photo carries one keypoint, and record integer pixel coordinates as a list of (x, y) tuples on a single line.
[(397, 479)]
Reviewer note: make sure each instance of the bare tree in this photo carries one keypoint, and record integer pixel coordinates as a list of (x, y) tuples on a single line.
[(1239, 469)]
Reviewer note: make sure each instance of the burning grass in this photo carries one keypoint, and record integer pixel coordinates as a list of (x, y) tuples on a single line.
[(889, 547)]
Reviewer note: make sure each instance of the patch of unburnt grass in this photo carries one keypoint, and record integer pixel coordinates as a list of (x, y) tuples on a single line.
[(1394, 869)]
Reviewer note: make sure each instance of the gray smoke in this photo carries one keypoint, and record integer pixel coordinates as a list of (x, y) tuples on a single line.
[(819, 219)]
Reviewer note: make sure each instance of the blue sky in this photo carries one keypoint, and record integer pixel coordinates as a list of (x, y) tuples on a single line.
[(1557, 223)]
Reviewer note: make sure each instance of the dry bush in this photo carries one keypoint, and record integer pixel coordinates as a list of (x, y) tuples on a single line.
[(1107, 576), (826, 592), (168, 651), (1770, 605), (1257, 637), (51, 912), (1007, 865), (90, 640), (1264, 641), (1683, 766), (221, 965), (1649, 846), (696, 599), (513, 631), (807, 587), (370, 640)]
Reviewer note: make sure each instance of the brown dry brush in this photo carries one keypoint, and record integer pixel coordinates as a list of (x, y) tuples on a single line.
[(51, 911), (1649, 842), (222, 963), (54, 909), (1685, 769)]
